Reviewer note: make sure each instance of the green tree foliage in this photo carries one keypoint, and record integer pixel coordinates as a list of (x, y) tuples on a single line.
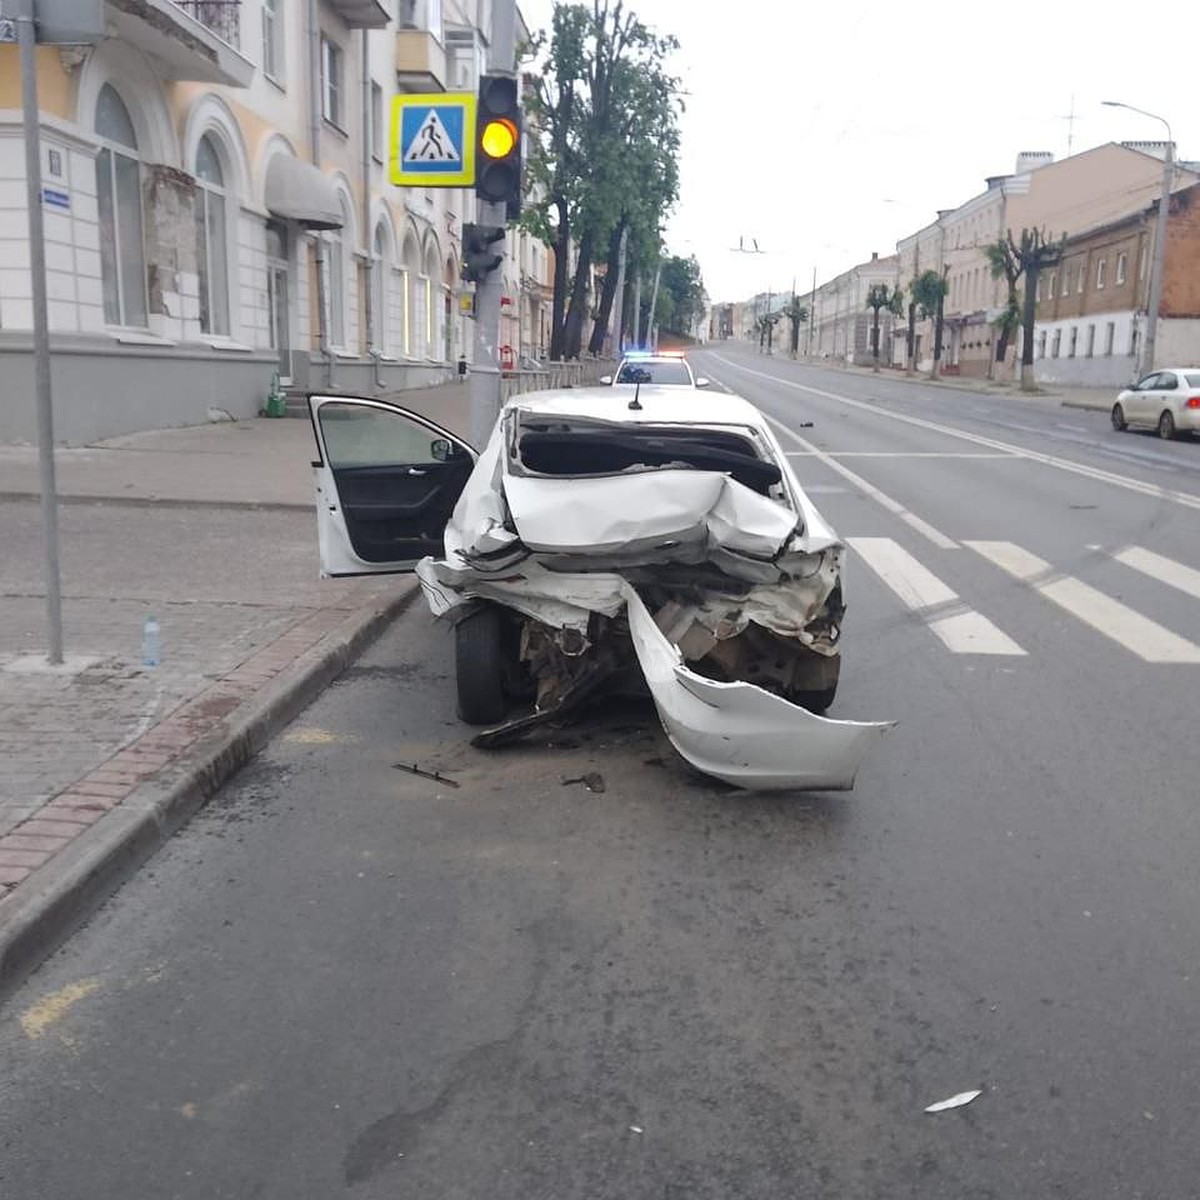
[(797, 314), (1003, 264), (928, 292), (603, 115), (1032, 254), (881, 298), (681, 295)]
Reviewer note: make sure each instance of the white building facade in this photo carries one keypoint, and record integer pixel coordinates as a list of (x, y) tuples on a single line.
[(218, 211)]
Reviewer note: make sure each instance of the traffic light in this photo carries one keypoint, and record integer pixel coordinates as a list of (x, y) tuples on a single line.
[(498, 143), (479, 259)]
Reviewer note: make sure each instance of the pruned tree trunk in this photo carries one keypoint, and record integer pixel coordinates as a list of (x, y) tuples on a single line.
[(875, 340), (573, 337), (938, 328), (910, 364), (1028, 384), (608, 292), (558, 305)]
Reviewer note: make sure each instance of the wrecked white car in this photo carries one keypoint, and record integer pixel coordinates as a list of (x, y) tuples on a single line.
[(602, 541)]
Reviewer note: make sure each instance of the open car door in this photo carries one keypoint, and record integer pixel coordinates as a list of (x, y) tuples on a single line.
[(387, 481)]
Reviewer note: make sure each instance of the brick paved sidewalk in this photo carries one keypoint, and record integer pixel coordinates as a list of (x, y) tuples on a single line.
[(212, 531)]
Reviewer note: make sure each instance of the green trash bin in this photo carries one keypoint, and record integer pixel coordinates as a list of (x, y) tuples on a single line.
[(276, 405)]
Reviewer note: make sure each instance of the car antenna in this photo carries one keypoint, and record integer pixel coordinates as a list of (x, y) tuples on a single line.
[(635, 403)]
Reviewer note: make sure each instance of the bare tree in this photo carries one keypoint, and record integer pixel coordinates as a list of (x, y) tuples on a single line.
[(1033, 253), (881, 298)]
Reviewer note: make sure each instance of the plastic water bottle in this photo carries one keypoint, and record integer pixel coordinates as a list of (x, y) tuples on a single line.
[(151, 642)]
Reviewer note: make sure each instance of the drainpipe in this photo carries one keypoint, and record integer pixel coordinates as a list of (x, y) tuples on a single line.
[(368, 239), (314, 152)]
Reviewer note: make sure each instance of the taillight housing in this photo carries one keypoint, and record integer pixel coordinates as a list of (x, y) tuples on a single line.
[(1193, 402)]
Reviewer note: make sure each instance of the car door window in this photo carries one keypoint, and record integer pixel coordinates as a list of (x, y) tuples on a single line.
[(1167, 382), (397, 480)]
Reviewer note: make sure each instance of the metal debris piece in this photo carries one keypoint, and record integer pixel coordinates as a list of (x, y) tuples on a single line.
[(436, 776), (954, 1101), (593, 781)]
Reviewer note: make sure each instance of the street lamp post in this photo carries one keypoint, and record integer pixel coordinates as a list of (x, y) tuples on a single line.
[(1160, 236)]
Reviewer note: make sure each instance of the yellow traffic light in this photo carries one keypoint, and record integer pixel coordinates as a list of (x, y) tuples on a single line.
[(499, 138)]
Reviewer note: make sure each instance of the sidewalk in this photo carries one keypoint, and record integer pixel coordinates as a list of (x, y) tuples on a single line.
[(1060, 395), (212, 530)]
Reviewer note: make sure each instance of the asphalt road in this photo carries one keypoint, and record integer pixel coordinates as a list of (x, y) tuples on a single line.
[(345, 979)]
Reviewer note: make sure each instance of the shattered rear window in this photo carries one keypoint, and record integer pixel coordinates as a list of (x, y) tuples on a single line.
[(563, 449)]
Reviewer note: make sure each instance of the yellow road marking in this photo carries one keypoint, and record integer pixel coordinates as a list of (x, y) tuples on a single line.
[(51, 1009)]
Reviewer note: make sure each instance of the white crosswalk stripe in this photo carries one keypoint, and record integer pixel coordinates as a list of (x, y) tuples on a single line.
[(1165, 570), (1151, 642), (960, 628)]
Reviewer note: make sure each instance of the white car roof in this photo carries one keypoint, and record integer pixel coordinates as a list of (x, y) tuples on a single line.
[(659, 405)]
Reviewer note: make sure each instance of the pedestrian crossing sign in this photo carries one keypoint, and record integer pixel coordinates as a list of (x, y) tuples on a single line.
[(432, 142)]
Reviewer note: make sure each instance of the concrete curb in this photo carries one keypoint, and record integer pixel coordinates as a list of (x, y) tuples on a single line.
[(163, 502), (62, 894)]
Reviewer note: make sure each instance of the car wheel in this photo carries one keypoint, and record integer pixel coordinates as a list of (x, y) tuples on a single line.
[(1166, 426), (1118, 418), (479, 667), (815, 702)]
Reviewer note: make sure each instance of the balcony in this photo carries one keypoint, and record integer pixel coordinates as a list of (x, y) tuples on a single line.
[(420, 61), (193, 40), (361, 14)]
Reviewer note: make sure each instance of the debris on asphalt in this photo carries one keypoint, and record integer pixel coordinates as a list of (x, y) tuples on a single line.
[(593, 781), (436, 776), (636, 1129), (954, 1101)]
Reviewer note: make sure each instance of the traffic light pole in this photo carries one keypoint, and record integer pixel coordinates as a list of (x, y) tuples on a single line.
[(483, 383)]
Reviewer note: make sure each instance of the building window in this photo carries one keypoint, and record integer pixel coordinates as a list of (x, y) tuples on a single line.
[(1081, 278), (1073, 342), (331, 82), (1056, 345), (1053, 285), (1039, 287), (1121, 259), (1066, 281), (1142, 264), (376, 122), (119, 199), (272, 40), (1091, 341), (1100, 267), (1041, 344), (1133, 342), (1110, 336), (212, 248), (335, 287), (379, 292)]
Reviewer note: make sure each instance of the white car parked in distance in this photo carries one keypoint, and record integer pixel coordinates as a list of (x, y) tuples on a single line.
[(1166, 400)]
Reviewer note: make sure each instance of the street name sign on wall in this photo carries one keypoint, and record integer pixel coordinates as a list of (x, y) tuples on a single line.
[(432, 140)]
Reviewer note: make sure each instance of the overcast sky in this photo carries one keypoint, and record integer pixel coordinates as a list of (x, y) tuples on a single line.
[(829, 130)]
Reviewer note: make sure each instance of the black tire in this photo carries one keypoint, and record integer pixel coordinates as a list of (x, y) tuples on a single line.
[(1118, 419), (816, 702), (479, 667), (1166, 426)]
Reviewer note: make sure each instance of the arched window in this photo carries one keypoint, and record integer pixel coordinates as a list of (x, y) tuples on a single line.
[(379, 290), (433, 302), (335, 250), (119, 200), (414, 305), (212, 246)]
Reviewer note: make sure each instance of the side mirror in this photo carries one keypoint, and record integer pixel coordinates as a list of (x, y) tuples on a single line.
[(701, 382), (606, 379), (440, 450)]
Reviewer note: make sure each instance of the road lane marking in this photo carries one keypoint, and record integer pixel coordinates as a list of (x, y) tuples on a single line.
[(1097, 474), (898, 454), (926, 530), (1147, 639), (1165, 570), (921, 591)]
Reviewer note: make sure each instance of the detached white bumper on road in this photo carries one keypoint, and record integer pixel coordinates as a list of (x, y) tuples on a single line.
[(738, 732)]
